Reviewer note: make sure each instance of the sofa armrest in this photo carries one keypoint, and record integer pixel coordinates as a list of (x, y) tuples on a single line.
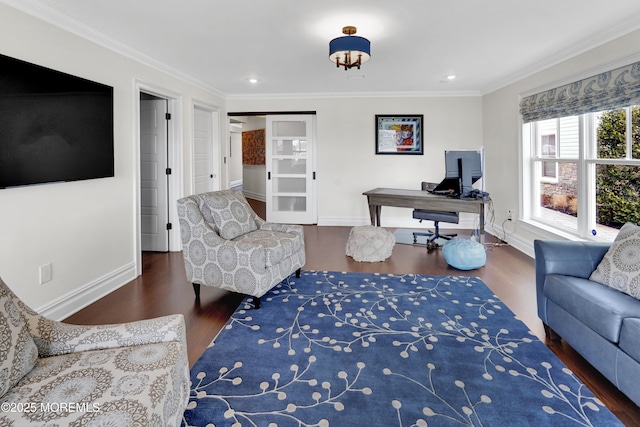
[(568, 258), (55, 338), (564, 257)]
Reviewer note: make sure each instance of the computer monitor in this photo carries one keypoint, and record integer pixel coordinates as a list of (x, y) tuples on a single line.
[(465, 167)]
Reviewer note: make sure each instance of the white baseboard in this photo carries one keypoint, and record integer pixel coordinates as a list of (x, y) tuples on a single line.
[(66, 305), (342, 221), (235, 184), (517, 241), (255, 196)]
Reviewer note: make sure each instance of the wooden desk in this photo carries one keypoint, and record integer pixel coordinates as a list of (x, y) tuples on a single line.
[(418, 199)]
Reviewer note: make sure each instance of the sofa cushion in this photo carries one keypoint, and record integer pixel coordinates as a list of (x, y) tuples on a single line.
[(231, 214), (620, 267), (18, 352), (599, 307), (629, 342)]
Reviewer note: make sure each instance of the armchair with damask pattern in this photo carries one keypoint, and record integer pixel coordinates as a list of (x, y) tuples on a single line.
[(54, 373), (228, 246)]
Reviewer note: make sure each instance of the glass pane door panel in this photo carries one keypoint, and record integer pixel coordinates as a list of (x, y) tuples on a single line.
[(289, 147), (289, 203), (289, 128), (289, 185), (290, 166)]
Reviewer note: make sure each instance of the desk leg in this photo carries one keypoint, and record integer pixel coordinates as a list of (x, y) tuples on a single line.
[(482, 223), (374, 214)]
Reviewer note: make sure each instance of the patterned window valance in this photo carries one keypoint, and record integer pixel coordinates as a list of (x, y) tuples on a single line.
[(612, 89)]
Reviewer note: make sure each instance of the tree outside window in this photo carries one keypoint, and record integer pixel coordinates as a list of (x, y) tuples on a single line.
[(618, 185)]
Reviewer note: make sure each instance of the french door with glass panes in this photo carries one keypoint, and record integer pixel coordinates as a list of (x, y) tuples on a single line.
[(290, 167)]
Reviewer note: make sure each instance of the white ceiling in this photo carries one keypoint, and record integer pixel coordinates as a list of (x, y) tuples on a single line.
[(219, 44)]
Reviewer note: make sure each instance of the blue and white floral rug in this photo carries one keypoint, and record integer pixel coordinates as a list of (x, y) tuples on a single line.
[(354, 349)]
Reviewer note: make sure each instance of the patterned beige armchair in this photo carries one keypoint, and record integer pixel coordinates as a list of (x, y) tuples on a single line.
[(226, 245), (53, 373)]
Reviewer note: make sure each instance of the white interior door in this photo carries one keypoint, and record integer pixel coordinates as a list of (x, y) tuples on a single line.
[(205, 176), (290, 167), (154, 212)]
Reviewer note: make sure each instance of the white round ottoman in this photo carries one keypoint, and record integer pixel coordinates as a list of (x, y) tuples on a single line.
[(370, 244)]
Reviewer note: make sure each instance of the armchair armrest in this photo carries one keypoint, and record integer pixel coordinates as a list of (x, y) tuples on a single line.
[(55, 338), (569, 258), (284, 228)]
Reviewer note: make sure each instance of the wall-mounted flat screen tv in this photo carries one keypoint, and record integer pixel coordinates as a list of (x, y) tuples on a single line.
[(54, 127)]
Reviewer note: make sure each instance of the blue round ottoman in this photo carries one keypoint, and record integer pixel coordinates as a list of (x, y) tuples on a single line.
[(464, 254)]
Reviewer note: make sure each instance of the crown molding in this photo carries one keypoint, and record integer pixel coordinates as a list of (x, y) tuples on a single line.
[(591, 72), (623, 28), (53, 17), (332, 95)]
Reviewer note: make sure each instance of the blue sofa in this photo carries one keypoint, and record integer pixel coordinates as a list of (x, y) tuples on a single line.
[(600, 323)]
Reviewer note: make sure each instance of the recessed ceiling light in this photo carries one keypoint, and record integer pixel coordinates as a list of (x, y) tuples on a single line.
[(253, 80), (447, 78)]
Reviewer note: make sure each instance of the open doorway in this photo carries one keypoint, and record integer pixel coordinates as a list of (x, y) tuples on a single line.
[(154, 177), (234, 158), (251, 174), (168, 119)]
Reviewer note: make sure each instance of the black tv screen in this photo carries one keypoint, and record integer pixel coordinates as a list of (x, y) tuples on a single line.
[(54, 127)]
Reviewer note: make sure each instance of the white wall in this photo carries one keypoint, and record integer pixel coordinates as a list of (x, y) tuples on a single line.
[(85, 229), (502, 126), (347, 164)]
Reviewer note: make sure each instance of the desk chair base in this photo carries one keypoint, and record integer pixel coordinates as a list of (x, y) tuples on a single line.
[(432, 236)]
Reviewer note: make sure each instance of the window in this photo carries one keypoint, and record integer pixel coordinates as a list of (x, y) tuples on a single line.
[(582, 173), (548, 149)]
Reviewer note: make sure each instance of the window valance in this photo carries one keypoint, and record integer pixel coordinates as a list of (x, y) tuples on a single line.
[(612, 89)]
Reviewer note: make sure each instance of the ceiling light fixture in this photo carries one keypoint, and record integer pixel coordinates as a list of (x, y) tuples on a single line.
[(349, 51)]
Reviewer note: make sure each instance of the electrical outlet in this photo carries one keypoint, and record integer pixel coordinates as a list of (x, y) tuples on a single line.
[(509, 216), (45, 273)]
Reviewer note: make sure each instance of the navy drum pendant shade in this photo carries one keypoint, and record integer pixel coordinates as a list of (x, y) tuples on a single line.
[(349, 51)]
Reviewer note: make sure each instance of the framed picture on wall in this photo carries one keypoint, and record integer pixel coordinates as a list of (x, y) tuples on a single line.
[(399, 134)]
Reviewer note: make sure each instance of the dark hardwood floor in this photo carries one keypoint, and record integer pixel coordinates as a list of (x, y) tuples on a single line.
[(163, 289)]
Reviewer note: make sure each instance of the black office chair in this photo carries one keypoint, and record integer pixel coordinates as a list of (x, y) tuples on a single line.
[(436, 217)]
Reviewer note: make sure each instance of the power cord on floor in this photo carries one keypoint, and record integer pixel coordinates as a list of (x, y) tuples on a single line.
[(505, 233)]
